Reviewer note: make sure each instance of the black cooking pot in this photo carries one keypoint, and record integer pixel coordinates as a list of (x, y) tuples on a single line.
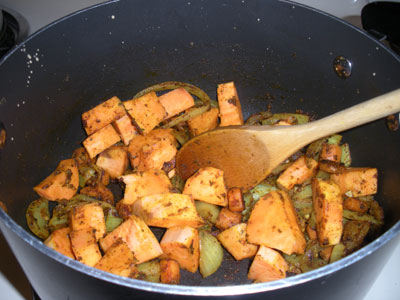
[(279, 54)]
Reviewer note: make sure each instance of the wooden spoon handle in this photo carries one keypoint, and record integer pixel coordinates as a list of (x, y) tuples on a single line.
[(356, 115)]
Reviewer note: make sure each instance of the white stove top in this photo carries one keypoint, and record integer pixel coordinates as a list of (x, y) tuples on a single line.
[(14, 285)]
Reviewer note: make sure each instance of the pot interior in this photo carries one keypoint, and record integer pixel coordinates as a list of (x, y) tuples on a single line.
[(279, 54)]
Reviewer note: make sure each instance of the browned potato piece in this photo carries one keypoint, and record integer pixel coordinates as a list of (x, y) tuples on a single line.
[(331, 152), (227, 219), (60, 241), (235, 200), (297, 173), (176, 101), (82, 157), (207, 185), (114, 160), (230, 110), (139, 238), (102, 115), (99, 192), (182, 244), (170, 271), (145, 183), (268, 265), (101, 140), (235, 242), (136, 145), (146, 111), (167, 210), (328, 207), (62, 183), (155, 155), (355, 204), (118, 260), (125, 129), (273, 223), (355, 182), (204, 122), (85, 247), (88, 215)]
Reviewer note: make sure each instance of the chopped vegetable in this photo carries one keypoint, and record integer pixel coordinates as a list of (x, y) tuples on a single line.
[(235, 200), (211, 254), (114, 161), (209, 212), (84, 246), (297, 173), (204, 122), (125, 128), (170, 271), (176, 101), (149, 271), (60, 241), (88, 215), (356, 182), (227, 218), (230, 110), (290, 119), (37, 218)]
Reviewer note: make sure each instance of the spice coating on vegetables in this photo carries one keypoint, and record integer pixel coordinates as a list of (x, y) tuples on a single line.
[(312, 210)]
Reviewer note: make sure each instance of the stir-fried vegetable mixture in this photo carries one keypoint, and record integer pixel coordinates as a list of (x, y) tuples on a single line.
[(311, 210)]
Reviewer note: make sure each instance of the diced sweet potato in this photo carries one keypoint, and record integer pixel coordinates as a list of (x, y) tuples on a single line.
[(82, 157), (62, 183), (102, 115), (235, 200), (273, 223), (328, 207), (167, 210), (230, 110), (138, 236), (355, 182), (60, 241), (88, 215), (135, 146), (235, 242), (355, 204), (145, 183), (114, 160), (170, 271), (297, 173), (227, 219), (176, 101), (155, 155), (182, 245), (118, 260), (146, 111), (85, 247), (99, 192), (125, 128), (268, 265), (101, 140), (326, 253), (312, 234), (207, 185), (204, 122), (331, 152)]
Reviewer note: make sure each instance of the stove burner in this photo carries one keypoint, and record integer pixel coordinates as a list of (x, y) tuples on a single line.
[(13, 29)]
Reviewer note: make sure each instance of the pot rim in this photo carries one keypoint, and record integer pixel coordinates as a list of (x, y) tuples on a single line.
[(187, 290)]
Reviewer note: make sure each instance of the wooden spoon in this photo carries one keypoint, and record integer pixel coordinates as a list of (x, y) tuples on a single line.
[(247, 154)]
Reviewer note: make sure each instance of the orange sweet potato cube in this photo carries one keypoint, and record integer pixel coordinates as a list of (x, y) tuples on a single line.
[(227, 219), (273, 223), (88, 215), (138, 236), (85, 247), (328, 208), (60, 241), (62, 183), (182, 244), (114, 160), (268, 265), (146, 111), (235, 200), (205, 122), (145, 183), (355, 182), (167, 210), (230, 110), (118, 260), (170, 271), (102, 115), (235, 242), (155, 154), (297, 173), (331, 152), (176, 101), (125, 128), (101, 140), (207, 185)]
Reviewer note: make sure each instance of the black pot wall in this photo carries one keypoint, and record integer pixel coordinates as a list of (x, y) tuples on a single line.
[(279, 54)]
